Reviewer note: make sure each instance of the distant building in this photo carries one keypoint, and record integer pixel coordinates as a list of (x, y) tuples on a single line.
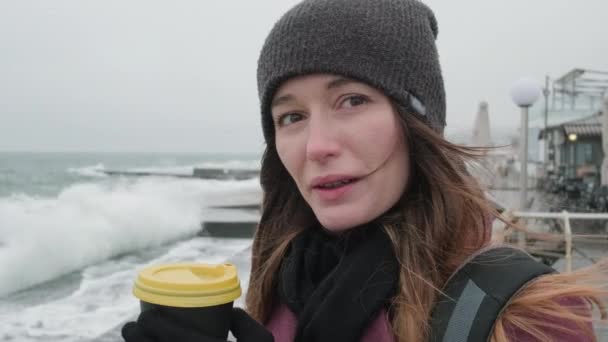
[(575, 148), (481, 130), (568, 124)]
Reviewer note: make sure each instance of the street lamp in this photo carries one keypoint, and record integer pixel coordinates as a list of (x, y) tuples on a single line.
[(605, 139), (524, 93)]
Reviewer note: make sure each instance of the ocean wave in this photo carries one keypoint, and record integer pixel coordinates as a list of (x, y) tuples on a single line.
[(103, 299), (189, 169), (99, 169), (88, 171), (86, 223), (232, 164)]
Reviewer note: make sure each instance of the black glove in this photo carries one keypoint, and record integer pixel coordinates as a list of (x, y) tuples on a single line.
[(153, 326)]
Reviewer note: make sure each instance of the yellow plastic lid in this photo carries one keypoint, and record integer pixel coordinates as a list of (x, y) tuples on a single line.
[(188, 285)]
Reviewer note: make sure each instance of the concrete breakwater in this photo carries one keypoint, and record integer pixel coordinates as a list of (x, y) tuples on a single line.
[(233, 212), (203, 173)]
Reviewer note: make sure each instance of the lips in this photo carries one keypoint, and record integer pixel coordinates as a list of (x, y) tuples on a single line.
[(332, 181), (335, 184), (333, 189)]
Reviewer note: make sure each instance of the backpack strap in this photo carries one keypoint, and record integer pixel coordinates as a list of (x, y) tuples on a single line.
[(477, 293)]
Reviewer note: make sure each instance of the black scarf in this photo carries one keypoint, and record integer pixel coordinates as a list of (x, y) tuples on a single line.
[(336, 285)]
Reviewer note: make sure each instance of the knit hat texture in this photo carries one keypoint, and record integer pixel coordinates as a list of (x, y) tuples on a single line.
[(388, 44)]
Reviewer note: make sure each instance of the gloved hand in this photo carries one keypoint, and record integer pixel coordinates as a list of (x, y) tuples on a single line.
[(153, 326)]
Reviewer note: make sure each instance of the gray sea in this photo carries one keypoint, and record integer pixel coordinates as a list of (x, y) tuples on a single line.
[(72, 239)]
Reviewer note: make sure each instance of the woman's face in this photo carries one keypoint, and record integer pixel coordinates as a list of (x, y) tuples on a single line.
[(342, 143)]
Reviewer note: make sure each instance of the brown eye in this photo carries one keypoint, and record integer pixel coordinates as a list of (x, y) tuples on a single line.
[(354, 100), (288, 119)]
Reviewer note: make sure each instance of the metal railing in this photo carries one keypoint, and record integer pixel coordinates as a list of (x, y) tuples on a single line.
[(567, 236)]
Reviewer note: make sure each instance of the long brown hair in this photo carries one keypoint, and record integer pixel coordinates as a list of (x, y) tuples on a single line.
[(440, 220)]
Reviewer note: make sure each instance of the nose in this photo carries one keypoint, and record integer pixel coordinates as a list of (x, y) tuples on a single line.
[(322, 142)]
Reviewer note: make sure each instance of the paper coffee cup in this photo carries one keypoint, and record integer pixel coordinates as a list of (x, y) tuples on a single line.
[(199, 296)]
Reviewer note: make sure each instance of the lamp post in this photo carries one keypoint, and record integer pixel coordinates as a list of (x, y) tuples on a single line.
[(546, 93), (524, 93), (604, 175)]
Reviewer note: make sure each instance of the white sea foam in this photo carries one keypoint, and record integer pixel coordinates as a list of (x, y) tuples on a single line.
[(89, 171), (232, 164), (43, 238), (97, 170), (189, 169), (104, 300)]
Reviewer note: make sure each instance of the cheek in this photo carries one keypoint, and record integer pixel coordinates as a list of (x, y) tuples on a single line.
[(283, 155), (288, 153), (380, 140)]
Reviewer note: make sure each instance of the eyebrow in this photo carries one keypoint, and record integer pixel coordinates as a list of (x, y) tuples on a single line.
[(339, 82), (336, 83), (281, 100)]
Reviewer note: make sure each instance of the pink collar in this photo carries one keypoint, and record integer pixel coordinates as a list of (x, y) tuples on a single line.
[(283, 322)]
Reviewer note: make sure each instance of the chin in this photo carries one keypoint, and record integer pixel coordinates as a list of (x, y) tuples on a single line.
[(339, 223)]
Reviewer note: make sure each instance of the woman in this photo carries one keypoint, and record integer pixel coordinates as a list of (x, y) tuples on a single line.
[(368, 211)]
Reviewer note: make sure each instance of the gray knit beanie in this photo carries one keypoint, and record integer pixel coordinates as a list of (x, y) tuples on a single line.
[(388, 44)]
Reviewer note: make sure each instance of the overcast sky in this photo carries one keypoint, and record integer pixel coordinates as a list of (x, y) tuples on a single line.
[(179, 76)]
